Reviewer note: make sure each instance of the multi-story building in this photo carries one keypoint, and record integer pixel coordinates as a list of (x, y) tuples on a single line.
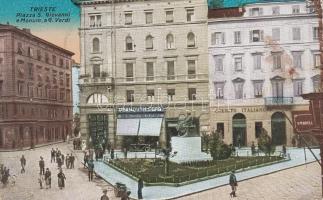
[(143, 64), (262, 57), (35, 90)]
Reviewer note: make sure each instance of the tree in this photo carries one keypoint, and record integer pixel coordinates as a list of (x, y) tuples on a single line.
[(219, 150), (205, 141), (265, 144)]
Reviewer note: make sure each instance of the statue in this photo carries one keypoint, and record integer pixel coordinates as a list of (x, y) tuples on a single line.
[(187, 127)]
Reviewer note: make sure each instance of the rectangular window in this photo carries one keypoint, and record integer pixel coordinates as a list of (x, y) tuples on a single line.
[(276, 10), (61, 62), (257, 60), (258, 88), (238, 90), (150, 95), (129, 72), (296, 9), (67, 64), (92, 21), (20, 88), (149, 17), (54, 59), (219, 88), (317, 60), (95, 21), (256, 11), (238, 64), (276, 34), (316, 84), (170, 94), (258, 129), (296, 33), (20, 48), (191, 94), (128, 18), (130, 95), (47, 58), (256, 36), (217, 38), (277, 61), (218, 60), (189, 14), (30, 71), (315, 33), (169, 16), (237, 37), (30, 52), (278, 88), (191, 69), (96, 71), (98, 20), (298, 87), (149, 71), (38, 55), (171, 70), (67, 81), (297, 59)]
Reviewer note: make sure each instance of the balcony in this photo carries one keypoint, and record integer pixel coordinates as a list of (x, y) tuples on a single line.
[(87, 80), (279, 101)]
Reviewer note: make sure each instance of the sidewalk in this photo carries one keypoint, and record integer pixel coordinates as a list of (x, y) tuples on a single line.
[(167, 192), (28, 148)]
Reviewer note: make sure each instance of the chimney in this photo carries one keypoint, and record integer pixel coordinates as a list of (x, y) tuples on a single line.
[(26, 30)]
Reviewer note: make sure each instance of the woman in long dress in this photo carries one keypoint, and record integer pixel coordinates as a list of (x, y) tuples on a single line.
[(61, 179)]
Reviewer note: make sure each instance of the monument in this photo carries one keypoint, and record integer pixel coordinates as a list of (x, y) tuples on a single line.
[(187, 146)]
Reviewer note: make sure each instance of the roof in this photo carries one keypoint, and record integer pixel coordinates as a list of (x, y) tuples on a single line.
[(26, 32), (240, 3)]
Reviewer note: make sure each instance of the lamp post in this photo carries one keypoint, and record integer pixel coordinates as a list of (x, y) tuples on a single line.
[(316, 98)]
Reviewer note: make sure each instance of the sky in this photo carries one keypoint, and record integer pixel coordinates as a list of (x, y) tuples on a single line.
[(63, 34)]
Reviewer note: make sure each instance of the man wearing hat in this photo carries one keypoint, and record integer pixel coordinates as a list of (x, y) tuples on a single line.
[(104, 196), (42, 166)]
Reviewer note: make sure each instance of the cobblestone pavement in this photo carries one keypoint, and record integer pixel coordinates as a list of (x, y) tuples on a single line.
[(299, 183), (27, 187)]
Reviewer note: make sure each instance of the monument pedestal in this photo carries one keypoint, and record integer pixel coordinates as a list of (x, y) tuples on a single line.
[(188, 149)]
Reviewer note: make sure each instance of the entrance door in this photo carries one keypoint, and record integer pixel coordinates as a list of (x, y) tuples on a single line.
[(239, 130), (98, 129), (278, 128)]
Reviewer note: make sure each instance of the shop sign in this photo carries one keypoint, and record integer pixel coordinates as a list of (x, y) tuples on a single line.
[(140, 109), (302, 121)]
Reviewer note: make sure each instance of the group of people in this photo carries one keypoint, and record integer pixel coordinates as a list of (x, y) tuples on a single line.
[(4, 173), (59, 158)]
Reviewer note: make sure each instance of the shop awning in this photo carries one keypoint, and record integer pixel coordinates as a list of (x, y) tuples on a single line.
[(127, 127), (150, 126)]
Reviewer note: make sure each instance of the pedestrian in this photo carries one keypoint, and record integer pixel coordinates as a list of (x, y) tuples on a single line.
[(62, 157), (42, 165), (126, 195), (67, 161), (140, 187), (61, 179), (57, 154), (112, 154), (125, 152), (86, 159), (5, 176), (41, 180), (91, 169), (23, 163), (233, 183), (253, 149), (72, 159), (52, 155), (96, 154), (48, 178), (74, 144), (59, 162), (284, 151), (104, 196)]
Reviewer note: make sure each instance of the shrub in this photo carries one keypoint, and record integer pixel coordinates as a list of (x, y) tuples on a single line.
[(265, 144)]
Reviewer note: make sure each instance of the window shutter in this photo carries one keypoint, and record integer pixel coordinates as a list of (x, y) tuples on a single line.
[(250, 36), (223, 38), (213, 38), (261, 35)]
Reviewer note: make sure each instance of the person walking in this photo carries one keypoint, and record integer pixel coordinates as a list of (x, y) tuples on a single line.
[(140, 187), (63, 158), (91, 169), (61, 179), (67, 161), (72, 159), (52, 155), (233, 183), (112, 154), (104, 196), (59, 162), (86, 159), (42, 165), (23, 163), (48, 178)]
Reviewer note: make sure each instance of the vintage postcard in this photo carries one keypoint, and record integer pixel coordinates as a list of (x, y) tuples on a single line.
[(161, 99)]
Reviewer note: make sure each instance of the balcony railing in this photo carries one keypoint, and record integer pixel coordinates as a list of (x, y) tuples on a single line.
[(278, 101)]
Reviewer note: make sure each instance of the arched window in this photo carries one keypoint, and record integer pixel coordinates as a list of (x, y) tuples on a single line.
[(96, 45), (97, 98), (129, 43), (190, 40), (170, 41), (149, 42)]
